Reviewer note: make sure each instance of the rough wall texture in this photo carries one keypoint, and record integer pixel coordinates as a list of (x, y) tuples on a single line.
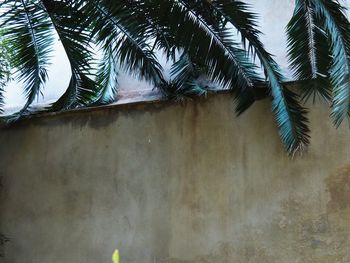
[(173, 184)]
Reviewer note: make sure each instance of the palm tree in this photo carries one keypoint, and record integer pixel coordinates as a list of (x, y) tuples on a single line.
[(198, 36)]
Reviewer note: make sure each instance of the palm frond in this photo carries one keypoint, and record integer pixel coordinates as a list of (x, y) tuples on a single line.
[(337, 27), (107, 78), (293, 123), (227, 64), (147, 14), (29, 32), (238, 14), (5, 67), (72, 26), (185, 82), (309, 51), (115, 25), (321, 50), (289, 114)]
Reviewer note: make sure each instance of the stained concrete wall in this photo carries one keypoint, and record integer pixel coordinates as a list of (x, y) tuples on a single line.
[(170, 183)]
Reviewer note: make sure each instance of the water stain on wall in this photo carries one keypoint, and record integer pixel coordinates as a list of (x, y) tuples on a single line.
[(3, 241), (338, 186)]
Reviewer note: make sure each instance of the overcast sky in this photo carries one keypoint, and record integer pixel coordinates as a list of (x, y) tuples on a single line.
[(274, 16)]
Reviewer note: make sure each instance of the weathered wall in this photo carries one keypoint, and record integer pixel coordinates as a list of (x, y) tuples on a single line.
[(173, 184)]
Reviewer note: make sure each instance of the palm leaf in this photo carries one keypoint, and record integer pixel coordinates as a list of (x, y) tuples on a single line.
[(116, 26), (147, 15), (72, 27), (309, 51), (29, 32), (107, 78), (185, 82), (5, 67), (337, 27), (226, 63), (293, 133)]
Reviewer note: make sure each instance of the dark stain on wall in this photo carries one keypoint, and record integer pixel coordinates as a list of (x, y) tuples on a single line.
[(100, 117), (3, 241), (338, 186)]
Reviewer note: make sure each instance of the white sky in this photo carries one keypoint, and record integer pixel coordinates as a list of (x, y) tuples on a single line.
[(274, 16)]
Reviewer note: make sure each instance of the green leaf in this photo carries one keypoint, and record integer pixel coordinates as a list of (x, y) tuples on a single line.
[(116, 26), (29, 33), (337, 27), (309, 51), (107, 77), (5, 67), (72, 27)]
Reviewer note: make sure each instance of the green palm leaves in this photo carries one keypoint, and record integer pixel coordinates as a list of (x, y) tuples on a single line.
[(5, 67), (197, 36), (319, 50), (289, 114), (29, 32)]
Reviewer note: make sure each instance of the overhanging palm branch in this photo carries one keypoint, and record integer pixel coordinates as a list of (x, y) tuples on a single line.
[(338, 28), (71, 26), (287, 109), (145, 13), (289, 114), (227, 64), (126, 34), (5, 67), (319, 48), (128, 38), (29, 34), (186, 82), (107, 78), (308, 50)]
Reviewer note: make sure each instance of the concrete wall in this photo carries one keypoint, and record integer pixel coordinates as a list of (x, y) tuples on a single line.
[(171, 183)]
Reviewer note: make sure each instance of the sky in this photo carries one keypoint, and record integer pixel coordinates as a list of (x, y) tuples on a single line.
[(273, 18)]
